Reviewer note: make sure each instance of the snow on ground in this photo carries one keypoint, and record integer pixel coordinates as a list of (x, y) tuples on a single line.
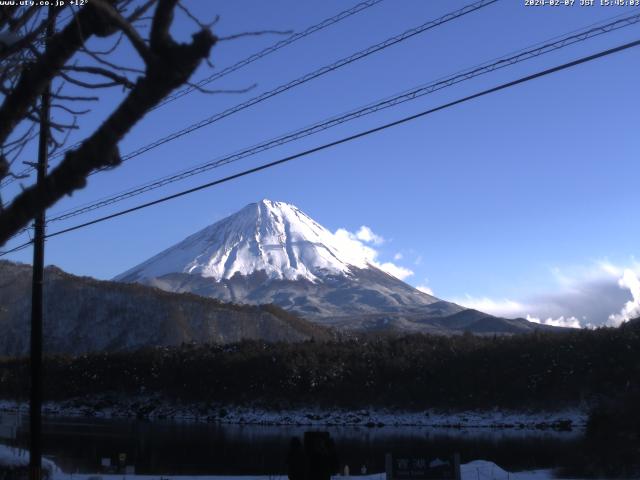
[(16, 457), (153, 408), (476, 470), (484, 470)]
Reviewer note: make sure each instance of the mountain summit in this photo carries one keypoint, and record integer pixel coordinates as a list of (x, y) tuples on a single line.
[(271, 252), (271, 237)]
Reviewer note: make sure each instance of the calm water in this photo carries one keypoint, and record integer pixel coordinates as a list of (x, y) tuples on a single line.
[(164, 447)]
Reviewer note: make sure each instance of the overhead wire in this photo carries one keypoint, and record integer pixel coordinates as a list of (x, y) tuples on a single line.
[(469, 8), (407, 34), (269, 50), (536, 50), (238, 65), (409, 95), (503, 86)]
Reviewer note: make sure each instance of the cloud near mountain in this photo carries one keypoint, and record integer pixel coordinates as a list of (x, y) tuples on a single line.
[(362, 242), (588, 296)]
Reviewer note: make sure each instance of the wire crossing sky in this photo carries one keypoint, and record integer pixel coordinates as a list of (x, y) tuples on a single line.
[(386, 103), (518, 203), (340, 141), (236, 66)]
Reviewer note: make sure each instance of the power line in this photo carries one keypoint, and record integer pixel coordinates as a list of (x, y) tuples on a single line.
[(242, 63), (538, 50), (22, 246), (311, 76), (308, 77), (349, 138), (267, 51)]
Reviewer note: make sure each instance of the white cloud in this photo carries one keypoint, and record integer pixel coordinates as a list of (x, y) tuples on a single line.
[(366, 235), (609, 268), (502, 308), (597, 294), (424, 289), (398, 256), (631, 309), (354, 248), (353, 245), (395, 270), (571, 322)]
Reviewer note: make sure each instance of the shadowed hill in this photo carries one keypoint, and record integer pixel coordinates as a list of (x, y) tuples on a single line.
[(83, 314)]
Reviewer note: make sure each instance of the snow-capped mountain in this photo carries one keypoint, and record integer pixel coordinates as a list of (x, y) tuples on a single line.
[(267, 253), (271, 237), (271, 252)]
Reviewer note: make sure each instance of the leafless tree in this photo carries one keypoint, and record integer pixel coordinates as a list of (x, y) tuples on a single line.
[(71, 63)]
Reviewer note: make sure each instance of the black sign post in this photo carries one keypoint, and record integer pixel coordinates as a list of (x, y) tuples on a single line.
[(409, 467)]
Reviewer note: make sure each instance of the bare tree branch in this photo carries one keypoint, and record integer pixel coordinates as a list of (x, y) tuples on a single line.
[(15, 24), (74, 98), (160, 25), (219, 91), (112, 48), (34, 79), (70, 110), (141, 10), (83, 84), (125, 27), (196, 20), (118, 79), (169, 66), (109, 64), (26, 40), (254, 34)]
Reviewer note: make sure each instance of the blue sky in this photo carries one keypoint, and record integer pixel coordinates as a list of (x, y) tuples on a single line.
[(519, 203)]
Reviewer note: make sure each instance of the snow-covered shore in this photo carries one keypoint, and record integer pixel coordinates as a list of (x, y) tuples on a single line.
[(15, 458), (478, 469), (151, 408)]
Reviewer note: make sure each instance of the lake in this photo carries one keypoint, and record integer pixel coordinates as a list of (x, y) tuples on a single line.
[(189, 448)]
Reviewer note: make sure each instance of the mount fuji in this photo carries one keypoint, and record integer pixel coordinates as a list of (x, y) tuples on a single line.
[(272, 252)]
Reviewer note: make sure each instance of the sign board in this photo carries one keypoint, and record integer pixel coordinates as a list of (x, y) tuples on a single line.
[(105, 462), (404, 467)]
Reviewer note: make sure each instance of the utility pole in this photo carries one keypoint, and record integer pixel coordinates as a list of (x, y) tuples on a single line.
[(35, 405)]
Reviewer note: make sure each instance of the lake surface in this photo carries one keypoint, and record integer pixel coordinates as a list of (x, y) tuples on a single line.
[(174, 447)]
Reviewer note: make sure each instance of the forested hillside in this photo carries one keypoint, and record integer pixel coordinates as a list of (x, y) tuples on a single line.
[(88, 315), (417, 371)]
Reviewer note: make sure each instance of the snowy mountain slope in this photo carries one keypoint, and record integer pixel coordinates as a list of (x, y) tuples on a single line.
[(271, 252), (273, 237), (362, 292)]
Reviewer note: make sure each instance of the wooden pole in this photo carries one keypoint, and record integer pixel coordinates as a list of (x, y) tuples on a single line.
[(35, 404)]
